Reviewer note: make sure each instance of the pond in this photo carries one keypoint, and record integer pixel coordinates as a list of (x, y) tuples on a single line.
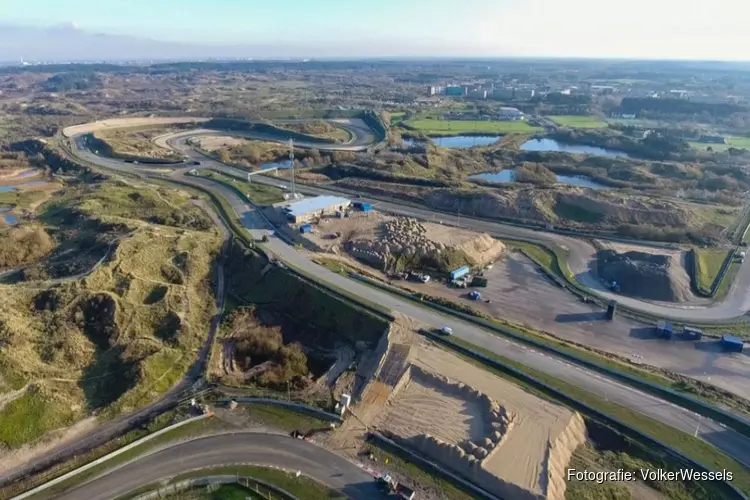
[(458, 141), (553, 145), (10, 219), (505, 176), (275, 164)]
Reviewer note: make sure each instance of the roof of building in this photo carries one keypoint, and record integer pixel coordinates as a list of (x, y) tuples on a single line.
[(314, 204)]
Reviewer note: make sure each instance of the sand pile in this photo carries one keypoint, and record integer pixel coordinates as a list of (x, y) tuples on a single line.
[(645, 275), (484, 428), (419, 241)]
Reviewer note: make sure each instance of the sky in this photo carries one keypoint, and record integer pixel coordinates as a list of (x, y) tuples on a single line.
[(652, 29)]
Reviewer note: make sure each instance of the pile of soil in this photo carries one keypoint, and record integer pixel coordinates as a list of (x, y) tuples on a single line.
[(645, 275)]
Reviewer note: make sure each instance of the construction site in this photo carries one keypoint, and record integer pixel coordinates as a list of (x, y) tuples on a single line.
[(481, 427), (394, 244), (648, 273)]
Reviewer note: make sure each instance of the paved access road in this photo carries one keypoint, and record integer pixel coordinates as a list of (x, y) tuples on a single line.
[(725, 439), (226, 449)]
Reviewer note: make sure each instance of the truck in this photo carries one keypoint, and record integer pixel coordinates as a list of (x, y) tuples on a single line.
[(459, 273)]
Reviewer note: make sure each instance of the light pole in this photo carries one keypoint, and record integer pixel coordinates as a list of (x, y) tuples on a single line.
[(291, 164)]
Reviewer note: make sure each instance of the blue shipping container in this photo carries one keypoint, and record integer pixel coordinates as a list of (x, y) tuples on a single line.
[(461, 271), (732, 343), (366, 207), (305, 228), (357, 204)]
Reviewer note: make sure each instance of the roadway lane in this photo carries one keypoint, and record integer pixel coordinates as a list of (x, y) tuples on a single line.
[(226, 449), (727, 440)]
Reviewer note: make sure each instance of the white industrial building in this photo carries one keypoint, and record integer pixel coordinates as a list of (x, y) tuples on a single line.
[(309, 209)]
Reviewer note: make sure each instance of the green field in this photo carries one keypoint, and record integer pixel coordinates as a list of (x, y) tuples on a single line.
[(732, 142), (576, 121), (708, 264), (458, 127), (397, 116)]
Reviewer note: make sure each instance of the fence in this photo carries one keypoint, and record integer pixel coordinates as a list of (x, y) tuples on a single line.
[(260, 488)]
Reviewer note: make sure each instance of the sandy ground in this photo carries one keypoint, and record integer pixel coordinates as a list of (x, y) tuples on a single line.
[(425, 405), (521, 294), (528, 456), (677, 270), (26, 454), (214, 142), (367, 226), (17, 175), (128, 122)]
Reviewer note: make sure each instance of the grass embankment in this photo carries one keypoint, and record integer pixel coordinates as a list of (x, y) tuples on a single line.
[(320, 129), (732, 142), (23, 199), (300, 487), (128, 331), (135, 141), (434, 127), (190, 430), (708, 263), (418, 474), (692, 447), (260, 194), (576, 121)]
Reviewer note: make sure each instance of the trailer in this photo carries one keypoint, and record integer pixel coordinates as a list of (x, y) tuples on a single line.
[(305, 228), (664, 329), (691, 333), (460, 272), (732, 343), (479, 281)]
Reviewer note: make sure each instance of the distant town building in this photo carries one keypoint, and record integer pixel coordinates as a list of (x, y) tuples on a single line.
[(435, 90), (476, 94), (524, 94), (504, 93), (455, 90)]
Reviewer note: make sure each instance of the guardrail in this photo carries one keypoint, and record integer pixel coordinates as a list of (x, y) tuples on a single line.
[(730, 419), (310, 410), (419, 459), (729, 489), (105, 458)]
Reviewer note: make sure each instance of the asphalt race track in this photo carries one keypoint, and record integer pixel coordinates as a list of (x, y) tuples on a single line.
[(239, 448), (728, 440)]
